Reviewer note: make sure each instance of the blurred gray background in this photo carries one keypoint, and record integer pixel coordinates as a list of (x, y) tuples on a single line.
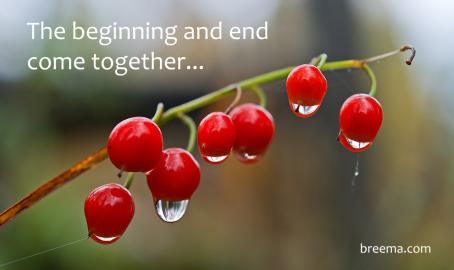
[(296, 208)]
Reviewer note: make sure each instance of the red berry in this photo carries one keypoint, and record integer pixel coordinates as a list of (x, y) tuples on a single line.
[(306, 88), (360, 119), (254, 131), (108, 211), (216, 136), (135, 145), (175, 177)]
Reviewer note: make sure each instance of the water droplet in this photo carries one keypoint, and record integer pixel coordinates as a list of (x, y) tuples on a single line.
[(247, 158), (356, 144), (171, 211), (355, 173), (215, 160), (304, 111), (104, 240)]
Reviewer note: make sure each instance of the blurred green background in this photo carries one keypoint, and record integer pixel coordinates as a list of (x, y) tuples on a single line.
[(296, 208)]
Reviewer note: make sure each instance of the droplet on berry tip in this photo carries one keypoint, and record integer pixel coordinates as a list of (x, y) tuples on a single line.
[(357, 145), (247, 158), (171, 211), (304, 111), (215, 160), (352, 145), (104, 240)]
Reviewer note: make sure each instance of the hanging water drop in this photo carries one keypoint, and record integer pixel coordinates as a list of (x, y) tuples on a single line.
[(352, 145), (247, 158), (215, 160), (171, 211), (304, 111), (356, 144), (104, 240)]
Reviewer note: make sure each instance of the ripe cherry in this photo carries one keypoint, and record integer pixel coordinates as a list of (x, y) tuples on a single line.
[(216, 136), (108, 211), (306, 88), (360, 119), (175, 177), (135, 145), (172, 183), (254, 131)]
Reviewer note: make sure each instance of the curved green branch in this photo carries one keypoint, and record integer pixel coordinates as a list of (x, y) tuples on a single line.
[(187, 120), (159, 110), (372, 78), (260, 94)]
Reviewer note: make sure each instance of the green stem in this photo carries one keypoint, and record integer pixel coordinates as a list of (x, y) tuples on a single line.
[(372, 78), (129, 180), (159, 110), (235, 101), (319, 58), (247, 85), (192, 130), (260, 94), (220, 93)]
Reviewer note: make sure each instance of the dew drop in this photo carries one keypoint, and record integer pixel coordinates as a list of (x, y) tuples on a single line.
[(104, 240), (247, 158), (171, 211), (304, 111), (215, 160), (357, 145)]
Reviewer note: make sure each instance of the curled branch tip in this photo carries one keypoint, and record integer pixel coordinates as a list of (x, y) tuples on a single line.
[(413, 53)]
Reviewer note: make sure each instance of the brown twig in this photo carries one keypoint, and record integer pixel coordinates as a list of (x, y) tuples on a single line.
[(391, 53), (53, 184)]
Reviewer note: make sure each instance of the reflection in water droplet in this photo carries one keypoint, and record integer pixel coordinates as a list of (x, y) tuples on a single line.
[(171, 211), (304, 111), (357, 145), (104, 240), (215, 160)]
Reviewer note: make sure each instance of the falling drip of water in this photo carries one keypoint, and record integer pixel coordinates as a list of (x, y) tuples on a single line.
[(356, 172), (171, 211), (215, 160), (304, 111), (104, 240), (356, 144)]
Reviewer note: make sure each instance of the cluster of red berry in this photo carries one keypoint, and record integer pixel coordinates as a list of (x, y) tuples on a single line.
[(173, 175), (360, 116), (136, 145)]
